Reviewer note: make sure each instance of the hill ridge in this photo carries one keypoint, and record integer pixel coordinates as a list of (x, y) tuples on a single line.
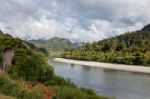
[(130, 48)]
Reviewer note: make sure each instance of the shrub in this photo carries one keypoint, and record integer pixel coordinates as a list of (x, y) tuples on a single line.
[(74, 93), (9, 87), (59, 81), (46, 73), (25, 65), (30, 66)]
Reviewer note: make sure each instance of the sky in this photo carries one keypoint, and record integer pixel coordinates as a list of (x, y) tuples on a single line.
[(77, 20)]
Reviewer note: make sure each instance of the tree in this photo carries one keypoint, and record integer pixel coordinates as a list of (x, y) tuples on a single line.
[(121, 45), (147, 57)]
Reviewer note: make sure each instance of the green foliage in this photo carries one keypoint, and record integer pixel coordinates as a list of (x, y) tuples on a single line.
[(43, 50), (6, 41), (59, 81), (39, 49), (30, 65), (27, 63), (75, 93), (147, 57), (88, 91), (130, 48), (30, 94), (8, 87), (46, 73), (54, 45), (11, 88)]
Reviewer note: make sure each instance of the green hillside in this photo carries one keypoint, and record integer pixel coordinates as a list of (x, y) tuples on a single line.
[(31, 77), (129, 48), (54, 44)]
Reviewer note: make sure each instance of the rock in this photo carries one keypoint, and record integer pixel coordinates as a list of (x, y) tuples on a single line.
[(7, 58)]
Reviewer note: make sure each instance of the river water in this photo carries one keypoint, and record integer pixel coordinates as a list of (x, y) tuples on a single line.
[(118, 84)]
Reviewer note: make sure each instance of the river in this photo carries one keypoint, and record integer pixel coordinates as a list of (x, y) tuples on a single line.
[(118, 84)]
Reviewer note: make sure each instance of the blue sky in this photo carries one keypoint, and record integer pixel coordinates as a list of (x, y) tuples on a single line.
[(83, 20)]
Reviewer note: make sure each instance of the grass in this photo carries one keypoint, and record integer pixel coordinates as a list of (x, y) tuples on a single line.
[(65, 92), (5, 97), (20, 89), (23, 90)]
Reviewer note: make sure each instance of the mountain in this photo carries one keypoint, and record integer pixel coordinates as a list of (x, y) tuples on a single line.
[(129, 48), (146, 28), (54, 44)]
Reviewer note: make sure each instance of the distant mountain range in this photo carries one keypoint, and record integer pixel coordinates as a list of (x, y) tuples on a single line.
[(55, 44)]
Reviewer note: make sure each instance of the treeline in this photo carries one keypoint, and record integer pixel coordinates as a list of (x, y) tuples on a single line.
[(54, 44), (39, 49), (130, 48)]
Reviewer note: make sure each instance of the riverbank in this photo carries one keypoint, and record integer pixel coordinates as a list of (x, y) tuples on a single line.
[(128, 68)]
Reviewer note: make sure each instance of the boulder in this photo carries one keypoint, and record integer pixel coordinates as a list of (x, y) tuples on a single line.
[(7, 58)]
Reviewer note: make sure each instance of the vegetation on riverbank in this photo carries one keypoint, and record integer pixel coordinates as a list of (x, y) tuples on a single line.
[(130, 48), (30, 76)]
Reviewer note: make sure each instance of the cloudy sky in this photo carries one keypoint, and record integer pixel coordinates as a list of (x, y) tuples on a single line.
[(83, 20)]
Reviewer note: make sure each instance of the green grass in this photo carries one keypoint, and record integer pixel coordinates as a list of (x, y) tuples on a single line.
[(5, 97), (65, 92), (9, 87)]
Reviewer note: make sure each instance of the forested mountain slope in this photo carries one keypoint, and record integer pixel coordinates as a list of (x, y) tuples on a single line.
[(54, 44), (129, 48)]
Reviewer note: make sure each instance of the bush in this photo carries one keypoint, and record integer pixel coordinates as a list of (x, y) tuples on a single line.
[(8, 87), (46, 73), (88, 91), (25, 65), (30, 66), (74, 93), (11, 88), (30, 94), (59, 81), (139, 58)]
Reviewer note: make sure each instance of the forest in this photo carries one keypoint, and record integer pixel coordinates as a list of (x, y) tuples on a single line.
[(132, 48), (54, 46)]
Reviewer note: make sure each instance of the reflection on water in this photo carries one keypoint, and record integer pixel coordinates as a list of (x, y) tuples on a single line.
[(72, 65), (86, 68), (109, 70), (122, 85)]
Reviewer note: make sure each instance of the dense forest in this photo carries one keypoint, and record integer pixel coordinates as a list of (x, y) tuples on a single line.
[(131, 48), (31, 77), (55, 46)]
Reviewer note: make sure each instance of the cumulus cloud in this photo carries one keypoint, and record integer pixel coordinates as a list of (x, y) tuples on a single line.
[(83, 20)]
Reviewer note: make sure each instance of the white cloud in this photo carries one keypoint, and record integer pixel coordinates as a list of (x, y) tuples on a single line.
[(84, 20), (21, 1), (36, 29), (3, 27)]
